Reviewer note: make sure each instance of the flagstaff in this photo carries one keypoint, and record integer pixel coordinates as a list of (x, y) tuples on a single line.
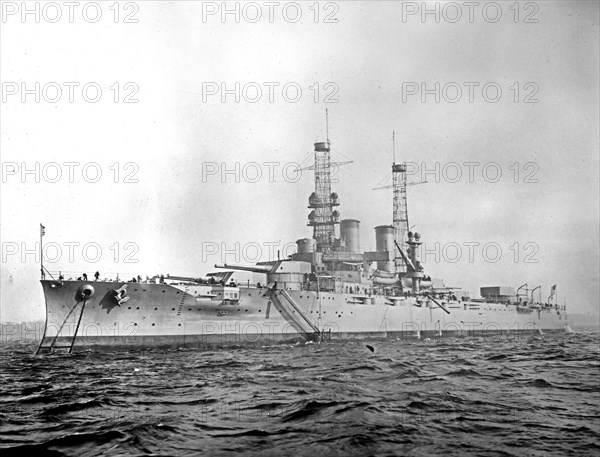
[(42, 232), (553, 294)]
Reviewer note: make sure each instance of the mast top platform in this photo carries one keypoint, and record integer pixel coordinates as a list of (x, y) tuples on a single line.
[(323, 146)]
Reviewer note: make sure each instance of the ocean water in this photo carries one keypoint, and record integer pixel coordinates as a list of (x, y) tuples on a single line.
[(534, 395)]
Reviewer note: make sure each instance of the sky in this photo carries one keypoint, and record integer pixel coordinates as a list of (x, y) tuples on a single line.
[(165, 137)]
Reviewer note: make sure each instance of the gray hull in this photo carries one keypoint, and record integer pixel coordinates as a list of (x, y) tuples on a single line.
[(116, 315)]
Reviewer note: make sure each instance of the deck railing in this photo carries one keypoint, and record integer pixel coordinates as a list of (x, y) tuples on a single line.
[(62, 275)]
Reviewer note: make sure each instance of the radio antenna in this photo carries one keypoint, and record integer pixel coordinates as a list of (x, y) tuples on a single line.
[(327, 124)]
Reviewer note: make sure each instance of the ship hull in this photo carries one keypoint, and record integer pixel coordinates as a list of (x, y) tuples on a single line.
[(116, 315)]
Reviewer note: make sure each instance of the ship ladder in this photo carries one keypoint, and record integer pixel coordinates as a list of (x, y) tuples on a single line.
[(291, 301), (288, 308), (68, 346)]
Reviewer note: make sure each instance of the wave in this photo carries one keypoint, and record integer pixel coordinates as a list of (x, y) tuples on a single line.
[(451, 397)]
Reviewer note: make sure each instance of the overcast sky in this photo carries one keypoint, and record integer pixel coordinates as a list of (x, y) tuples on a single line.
[(368, 63)]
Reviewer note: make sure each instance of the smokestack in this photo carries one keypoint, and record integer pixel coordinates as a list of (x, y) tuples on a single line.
[(306, 245), (350, 235), (384, 241)]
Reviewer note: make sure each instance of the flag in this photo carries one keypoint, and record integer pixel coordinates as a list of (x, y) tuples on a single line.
[(553, 290), (42, 230)]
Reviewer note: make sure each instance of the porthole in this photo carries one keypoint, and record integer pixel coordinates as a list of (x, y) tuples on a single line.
[(153, 325), (163, 291), (137, 307), (172, 309), (129, 307), (155, 309), (179, 325)]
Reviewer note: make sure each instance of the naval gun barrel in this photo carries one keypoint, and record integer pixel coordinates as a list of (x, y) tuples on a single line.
[(255, 269), (185, 278)]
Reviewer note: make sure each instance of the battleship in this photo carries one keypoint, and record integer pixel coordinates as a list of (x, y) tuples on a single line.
[(328, 290)]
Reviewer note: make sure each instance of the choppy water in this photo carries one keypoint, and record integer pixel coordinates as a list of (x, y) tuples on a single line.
[(525, 395)]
